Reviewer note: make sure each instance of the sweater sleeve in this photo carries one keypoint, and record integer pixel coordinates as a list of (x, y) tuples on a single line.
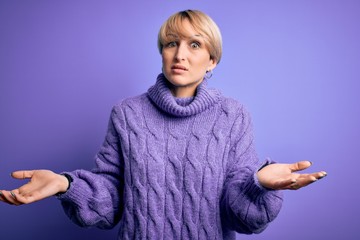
[(247, 207), (95, 197)]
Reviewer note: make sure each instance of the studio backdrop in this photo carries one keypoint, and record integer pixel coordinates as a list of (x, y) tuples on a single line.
[(294, 64)]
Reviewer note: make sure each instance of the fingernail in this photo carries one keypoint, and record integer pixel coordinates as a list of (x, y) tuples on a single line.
[(13, 194), (324, 175)]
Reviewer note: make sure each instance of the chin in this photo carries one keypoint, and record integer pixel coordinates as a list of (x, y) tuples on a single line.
[(180, 81), (176, 80)]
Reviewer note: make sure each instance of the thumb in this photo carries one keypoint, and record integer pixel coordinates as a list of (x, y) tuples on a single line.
[(22, 174), (298, 166)]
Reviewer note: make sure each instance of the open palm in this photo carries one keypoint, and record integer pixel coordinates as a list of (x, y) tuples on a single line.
[(280, 176), (42, 184)]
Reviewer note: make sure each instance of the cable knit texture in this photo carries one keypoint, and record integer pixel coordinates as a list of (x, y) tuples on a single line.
[(174, 168)]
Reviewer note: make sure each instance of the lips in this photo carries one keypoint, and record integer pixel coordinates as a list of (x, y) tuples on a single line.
[(179, 67)]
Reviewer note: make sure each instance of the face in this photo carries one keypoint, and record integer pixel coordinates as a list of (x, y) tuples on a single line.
[(185, 61)]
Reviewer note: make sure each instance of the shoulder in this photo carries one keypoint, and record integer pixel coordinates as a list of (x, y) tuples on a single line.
[(128, 109), (130, 103), (234, 107)]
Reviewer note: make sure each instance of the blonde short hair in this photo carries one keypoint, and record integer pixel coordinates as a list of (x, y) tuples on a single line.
[(200, 22)]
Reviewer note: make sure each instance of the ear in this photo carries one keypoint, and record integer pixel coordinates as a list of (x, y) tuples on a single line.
[(212, 64)]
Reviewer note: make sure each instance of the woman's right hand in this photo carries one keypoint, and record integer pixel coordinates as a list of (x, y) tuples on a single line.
[(42, 184)]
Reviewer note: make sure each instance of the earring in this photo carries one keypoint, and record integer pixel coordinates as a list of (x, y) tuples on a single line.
[(208, 74)]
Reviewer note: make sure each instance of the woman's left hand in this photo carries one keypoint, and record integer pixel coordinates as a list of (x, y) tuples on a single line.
[(280, 176)]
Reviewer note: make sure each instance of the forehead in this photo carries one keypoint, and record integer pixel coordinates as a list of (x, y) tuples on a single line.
[(182, 28)]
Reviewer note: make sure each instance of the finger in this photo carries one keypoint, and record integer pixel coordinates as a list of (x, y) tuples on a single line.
[(321, 174), (19, 198), (298, 166), (316, 176), (2, 198), (313, 176), (22, 174), (297, 185), (294, 186), (283, 184), (25, 199), (5, 198), (303, 181), (10, 197), (15, 197)]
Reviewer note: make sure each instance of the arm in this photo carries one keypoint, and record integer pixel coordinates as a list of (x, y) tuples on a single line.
[(95, 197), (247, 207)]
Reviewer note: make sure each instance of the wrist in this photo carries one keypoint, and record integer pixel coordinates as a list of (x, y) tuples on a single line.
[(65, 182)]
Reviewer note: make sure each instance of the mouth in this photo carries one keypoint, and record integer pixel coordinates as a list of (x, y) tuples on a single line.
[(179, 67)]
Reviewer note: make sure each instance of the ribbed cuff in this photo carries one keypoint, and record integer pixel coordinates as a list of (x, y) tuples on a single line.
[(75, 193)]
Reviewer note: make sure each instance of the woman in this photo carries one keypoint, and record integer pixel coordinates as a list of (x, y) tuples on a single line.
[(178, 162)]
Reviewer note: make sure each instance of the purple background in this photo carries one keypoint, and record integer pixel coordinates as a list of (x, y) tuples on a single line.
[(294, 64)]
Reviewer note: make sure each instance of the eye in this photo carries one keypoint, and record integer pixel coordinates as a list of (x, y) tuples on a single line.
[(171, 44), (195, 45)]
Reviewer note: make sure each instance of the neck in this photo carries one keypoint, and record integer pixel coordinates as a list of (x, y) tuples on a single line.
[(184, 91)]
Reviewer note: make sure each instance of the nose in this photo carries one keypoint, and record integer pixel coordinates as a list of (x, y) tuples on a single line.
[(181, 52)]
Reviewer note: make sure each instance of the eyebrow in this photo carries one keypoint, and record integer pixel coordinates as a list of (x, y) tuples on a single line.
[(177, 36)]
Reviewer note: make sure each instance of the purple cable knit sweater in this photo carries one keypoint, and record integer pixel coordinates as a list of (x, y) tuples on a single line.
[(173, 168)]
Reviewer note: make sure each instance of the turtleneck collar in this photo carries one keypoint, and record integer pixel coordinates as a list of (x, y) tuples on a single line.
[(161, 95)]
